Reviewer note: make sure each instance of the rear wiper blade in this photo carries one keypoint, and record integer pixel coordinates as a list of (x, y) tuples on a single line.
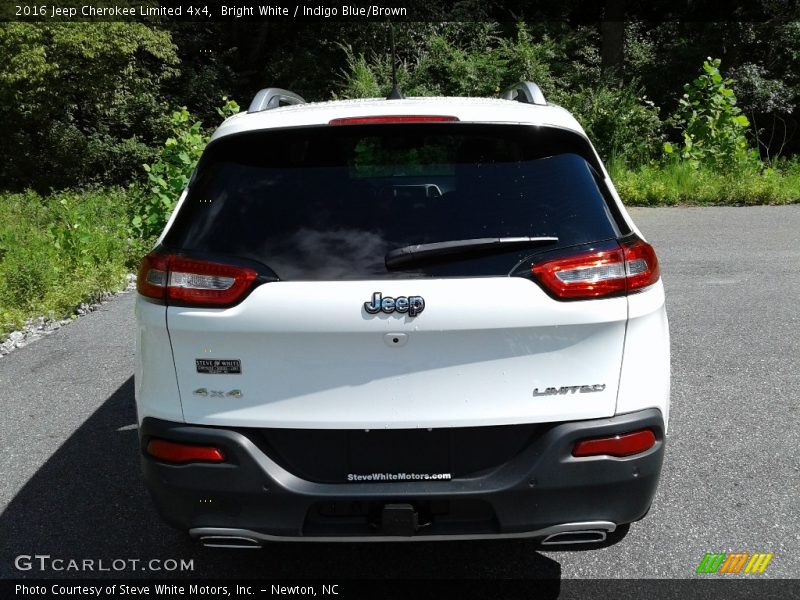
[(457, 249)]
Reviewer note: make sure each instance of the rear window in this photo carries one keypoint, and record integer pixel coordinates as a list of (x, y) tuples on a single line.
[(328, 203)]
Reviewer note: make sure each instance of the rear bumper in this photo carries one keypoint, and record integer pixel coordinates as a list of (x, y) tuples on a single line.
[(540, 491)]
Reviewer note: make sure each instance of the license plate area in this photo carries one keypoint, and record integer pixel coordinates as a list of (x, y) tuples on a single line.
[(338, 456), (400, 455)]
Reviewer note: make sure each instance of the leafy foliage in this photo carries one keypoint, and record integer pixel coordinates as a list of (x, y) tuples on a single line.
[(169, 174), (713, 127), (767, 100), (80, 102), (444, 67), (620, 120), (84, 103), (59, 251)]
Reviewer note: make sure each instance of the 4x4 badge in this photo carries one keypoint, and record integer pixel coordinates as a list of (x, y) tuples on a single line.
[(413, 305)]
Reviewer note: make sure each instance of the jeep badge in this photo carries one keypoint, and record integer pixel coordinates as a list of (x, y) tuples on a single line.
[(413, 305)]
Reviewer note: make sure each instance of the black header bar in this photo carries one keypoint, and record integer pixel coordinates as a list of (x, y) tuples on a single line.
[(574, 11)]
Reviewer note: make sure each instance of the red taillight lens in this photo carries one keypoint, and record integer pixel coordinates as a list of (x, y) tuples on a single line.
[(152, 278), (625, 444), (598, 273), (393, 119), (641, 264), (174, 452), (586, 275), (206, 283), (178, 280)]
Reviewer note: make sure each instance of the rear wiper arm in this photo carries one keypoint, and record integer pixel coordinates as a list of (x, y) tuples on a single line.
[(457, 249)]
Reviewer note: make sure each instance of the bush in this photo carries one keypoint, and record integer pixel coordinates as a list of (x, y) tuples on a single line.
[(712, 126), (619, 119), (59, 251), (169, 174), (621, 122), (445, 66)]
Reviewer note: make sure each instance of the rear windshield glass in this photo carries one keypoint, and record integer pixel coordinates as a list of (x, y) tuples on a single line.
[(328, 203)]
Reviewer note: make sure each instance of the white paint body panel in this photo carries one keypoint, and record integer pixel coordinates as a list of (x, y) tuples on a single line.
[(313, 358), (155, 385), (645, 378)]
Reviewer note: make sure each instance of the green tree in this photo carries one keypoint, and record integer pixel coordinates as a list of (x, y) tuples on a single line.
[(80, 102)]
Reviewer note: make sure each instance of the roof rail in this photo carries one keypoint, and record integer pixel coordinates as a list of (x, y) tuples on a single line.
[(273, 98), (524, 91)]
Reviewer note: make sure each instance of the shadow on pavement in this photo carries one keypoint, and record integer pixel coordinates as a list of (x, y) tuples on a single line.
[(88, 502)]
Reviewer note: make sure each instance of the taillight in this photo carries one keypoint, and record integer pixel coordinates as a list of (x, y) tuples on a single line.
[(641, 264), (190, 282), (626, 444), (610, 271), (174, 452), (152, 278), (383, 119)]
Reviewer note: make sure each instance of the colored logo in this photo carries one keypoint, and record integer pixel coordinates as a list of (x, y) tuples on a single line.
[(734, 562)]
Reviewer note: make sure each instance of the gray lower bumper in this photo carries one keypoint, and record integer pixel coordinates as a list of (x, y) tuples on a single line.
[(543, 490)]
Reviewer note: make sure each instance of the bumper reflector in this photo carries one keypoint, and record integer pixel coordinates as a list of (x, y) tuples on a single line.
[(625, 444), (174, 452)]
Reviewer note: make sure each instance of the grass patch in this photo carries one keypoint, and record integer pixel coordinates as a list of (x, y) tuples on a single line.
[(681, 184), (59, 251)]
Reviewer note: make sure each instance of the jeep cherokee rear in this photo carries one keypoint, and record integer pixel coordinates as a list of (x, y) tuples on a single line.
[(401, 319)]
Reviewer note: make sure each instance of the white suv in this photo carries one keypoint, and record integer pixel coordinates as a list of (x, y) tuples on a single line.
[(422, 318)]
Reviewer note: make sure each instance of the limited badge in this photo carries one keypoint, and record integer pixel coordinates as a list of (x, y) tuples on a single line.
[(218, 366)]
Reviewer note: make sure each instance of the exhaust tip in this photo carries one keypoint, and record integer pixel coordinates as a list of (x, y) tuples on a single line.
[(587, 536), (229, 541)]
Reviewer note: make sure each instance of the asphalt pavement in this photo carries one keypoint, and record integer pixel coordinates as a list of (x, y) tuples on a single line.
[(70, 485)]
